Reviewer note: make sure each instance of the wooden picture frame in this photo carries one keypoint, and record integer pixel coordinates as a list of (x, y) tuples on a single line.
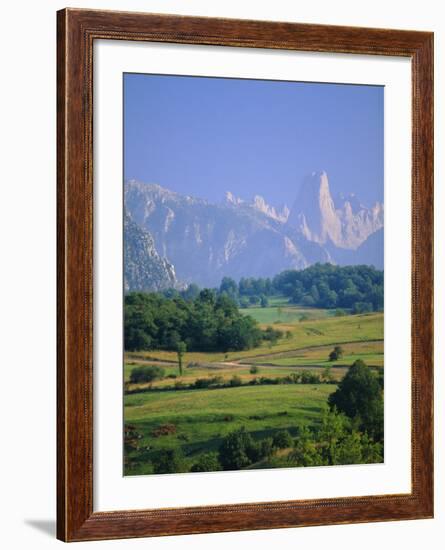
[(77, 31)]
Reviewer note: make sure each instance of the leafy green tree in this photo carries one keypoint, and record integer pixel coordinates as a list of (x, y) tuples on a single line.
[(339, 351), (266, 447), (191, 292), (234, 450), (137, 339), (207, 296), (340, 443), (264, 301), (305, 452), (272, 335), (282, 440), (327, 374), (315, 294), (362, 307), (336, 353), (168, 461), (146, 373), (372, 451), (180, 350), (334, 428), (207, 463), (229, 286), (359, 396), (235, 381), (308, 301)]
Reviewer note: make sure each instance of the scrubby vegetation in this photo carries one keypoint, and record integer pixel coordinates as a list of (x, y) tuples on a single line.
[(146, 373), (360, 397)]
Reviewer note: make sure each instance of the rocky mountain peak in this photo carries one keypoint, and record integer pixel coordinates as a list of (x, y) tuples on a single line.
[(231, 199), (345, 222), (260, 204), (144, 268)]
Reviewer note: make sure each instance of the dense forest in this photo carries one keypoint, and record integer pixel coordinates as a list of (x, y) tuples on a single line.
[(358, 288), (209, 322)]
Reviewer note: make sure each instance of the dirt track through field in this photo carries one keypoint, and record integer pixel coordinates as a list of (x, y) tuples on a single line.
[(247, 361), (301, 351)]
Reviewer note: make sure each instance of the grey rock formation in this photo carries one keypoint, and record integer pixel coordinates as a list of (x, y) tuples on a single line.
[(144, 269)]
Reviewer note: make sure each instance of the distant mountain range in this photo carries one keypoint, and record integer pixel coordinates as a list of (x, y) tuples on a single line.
[(172, 240)]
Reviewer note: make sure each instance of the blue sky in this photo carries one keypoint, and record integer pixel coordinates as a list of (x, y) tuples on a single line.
[(204, 136)]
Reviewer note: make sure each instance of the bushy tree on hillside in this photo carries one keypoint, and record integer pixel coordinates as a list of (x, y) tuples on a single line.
[(336, 353), (282, 439), (360, 397), (235, 451), (146, 373), (207, 463), (168, 461), (336, 441)]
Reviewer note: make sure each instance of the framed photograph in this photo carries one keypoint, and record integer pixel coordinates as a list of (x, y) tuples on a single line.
[(245, 263)]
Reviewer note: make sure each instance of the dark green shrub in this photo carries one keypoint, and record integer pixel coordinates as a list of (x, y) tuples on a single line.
[(282, 440), (207, 463), (235, 381), (309, 377), (233, 452), (146, 373), (168, 461), (211, 381), (359, 396), (266, 447)]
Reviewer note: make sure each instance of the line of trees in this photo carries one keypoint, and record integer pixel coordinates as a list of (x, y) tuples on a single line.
[(358, 288)]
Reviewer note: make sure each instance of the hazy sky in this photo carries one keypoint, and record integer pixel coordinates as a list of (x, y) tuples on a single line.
[(204, 136)]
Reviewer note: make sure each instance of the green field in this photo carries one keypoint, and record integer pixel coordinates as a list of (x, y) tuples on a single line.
[(279, 311), (369, 352), (203, 417), (198, 419), (303, 334)]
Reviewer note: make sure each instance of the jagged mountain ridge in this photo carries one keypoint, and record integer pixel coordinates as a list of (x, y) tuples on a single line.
[(206, 241), (259, 203)]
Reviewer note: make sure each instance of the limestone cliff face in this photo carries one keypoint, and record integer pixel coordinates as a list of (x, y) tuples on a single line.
[(144, 269), (346, 225)]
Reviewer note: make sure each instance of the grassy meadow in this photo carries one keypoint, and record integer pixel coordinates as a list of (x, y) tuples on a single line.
[(195, 421)]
